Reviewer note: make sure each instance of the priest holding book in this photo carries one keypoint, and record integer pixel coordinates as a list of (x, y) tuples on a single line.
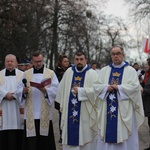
[(38, 132)]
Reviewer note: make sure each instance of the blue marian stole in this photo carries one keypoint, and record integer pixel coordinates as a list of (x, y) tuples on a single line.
[(74, 108), (112, 105)]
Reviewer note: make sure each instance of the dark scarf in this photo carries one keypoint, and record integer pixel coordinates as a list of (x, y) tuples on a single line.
[(147, 74)]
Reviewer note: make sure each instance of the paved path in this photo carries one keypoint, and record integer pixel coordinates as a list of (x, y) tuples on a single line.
[(144, 137), (56, 129)]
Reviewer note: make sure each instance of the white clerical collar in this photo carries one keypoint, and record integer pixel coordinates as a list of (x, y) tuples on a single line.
[(81, 70), (118, 66)]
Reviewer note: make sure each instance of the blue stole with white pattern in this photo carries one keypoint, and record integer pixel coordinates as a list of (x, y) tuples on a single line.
[(112, 105), (74, 108)]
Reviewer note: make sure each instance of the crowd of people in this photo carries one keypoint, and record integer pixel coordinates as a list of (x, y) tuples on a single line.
[(98, 109)]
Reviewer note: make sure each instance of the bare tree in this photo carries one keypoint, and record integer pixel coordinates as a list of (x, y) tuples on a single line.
[(139, 9), (57, 27), (140, 14)]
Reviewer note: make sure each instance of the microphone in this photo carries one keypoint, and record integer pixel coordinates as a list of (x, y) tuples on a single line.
[(24, 81)]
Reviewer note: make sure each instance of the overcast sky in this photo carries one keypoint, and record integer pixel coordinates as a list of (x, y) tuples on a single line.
[(117, 8), (120, 9)]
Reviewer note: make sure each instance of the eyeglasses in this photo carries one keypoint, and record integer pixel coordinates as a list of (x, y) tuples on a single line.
[(117, 54), (40, 61)]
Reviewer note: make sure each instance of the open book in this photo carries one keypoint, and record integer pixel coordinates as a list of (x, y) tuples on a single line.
[(43, 83)]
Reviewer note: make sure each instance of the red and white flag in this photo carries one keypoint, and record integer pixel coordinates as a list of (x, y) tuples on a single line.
[(146, 45)]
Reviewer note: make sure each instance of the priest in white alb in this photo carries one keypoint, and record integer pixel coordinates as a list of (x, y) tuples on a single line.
[(120, 108), (38, 132), (11, 128), (76, 97)]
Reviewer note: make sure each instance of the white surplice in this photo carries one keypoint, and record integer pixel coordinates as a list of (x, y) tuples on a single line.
[(37, 95), (10, 108)]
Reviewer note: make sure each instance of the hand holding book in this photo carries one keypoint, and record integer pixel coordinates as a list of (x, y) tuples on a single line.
[(43, 83)]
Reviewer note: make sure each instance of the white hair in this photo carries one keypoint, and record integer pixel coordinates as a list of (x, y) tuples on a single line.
[(10, 55)]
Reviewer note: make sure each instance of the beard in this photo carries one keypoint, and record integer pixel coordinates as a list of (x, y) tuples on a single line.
[(79, 67)]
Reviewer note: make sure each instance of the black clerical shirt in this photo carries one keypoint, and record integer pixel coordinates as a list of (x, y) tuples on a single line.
[(10, 73), (38, 70)]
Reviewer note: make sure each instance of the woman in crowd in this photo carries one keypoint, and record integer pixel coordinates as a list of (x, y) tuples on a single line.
[(146, 93), (61, 67)]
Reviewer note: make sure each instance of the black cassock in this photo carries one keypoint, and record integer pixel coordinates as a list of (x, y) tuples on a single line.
[(39, 142)]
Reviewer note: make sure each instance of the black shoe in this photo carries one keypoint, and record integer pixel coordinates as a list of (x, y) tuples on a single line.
[(60, 140), (147, 148)]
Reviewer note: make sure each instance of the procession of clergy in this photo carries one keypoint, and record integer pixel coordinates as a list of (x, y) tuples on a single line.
[(100, 111)]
